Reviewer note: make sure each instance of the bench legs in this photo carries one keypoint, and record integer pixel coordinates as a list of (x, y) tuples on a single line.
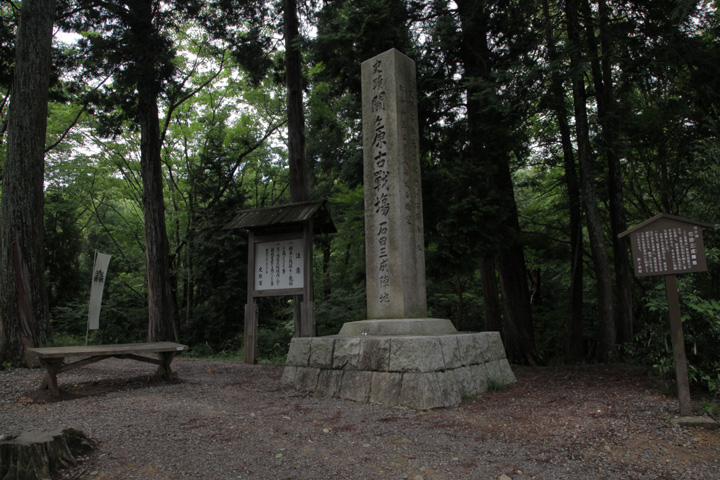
[(52, 368), (165, 359)]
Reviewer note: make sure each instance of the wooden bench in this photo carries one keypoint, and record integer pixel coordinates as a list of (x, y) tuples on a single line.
[(53, 358)]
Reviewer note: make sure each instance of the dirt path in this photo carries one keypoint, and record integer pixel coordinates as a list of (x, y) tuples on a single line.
[(236, 421)]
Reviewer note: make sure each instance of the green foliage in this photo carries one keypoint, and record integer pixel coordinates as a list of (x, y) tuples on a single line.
[(224, 150), (495, 385), (231, 350), (274, 341), (8, 27), (457, 297), (701, 326), (340, 278), (64, 245), (65, 340)]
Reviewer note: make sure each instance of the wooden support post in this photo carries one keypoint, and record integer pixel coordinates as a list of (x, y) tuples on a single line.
[(298, 314), (164, 370), (678, 344), (250, 340), (307, 323), (250, 330)]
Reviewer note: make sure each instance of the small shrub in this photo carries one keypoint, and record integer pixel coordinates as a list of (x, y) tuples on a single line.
[(67, 340), (495, 385), (701, 328)]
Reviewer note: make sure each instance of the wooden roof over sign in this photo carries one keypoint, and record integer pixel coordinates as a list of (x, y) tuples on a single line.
[(665, 216), (284, 216)]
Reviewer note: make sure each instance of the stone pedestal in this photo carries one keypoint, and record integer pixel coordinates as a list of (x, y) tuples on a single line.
[(415, 371), (399, 326)]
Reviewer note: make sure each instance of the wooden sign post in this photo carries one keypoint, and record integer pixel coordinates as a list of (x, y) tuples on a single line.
[(280, 252), (667, 245)]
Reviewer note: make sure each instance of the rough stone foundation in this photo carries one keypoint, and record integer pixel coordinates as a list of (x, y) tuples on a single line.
[(416, 371)]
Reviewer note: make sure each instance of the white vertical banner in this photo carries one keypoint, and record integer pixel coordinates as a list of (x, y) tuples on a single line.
[(96, 290)]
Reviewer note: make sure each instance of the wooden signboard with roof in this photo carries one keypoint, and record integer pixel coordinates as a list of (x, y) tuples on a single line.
[(667, 245), (280, 252)]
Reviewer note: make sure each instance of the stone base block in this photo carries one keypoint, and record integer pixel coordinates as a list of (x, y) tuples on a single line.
[(416, 371), (700, 422), (399, 326)]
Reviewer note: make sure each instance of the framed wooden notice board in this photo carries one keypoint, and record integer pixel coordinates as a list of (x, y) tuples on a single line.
[(668, 245), (280, 252)]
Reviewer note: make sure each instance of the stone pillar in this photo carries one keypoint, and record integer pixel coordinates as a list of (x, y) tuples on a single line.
[(395, 252), (394, 241)]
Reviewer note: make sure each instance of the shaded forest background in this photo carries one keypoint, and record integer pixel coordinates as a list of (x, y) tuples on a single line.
[(546, 129)]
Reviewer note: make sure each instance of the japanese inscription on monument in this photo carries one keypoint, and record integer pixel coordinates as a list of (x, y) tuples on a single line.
[(393, 204), (279, 265)]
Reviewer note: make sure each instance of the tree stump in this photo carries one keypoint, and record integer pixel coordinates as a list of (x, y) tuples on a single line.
[(35, 455)]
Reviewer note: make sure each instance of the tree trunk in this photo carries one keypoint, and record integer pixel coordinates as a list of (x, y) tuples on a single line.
[(161, 307), (491, 304), (325, 244), (609, 145), (606, 320), (519, 334), (34, 455), (618, 220), (189, 280), (22, 266), (574, 351), (487, 144), (299, 190), (297, 161)]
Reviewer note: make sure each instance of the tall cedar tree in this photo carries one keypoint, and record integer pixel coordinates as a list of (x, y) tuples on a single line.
[(24, 315), (161, 304), (131, 45), (299, 189), (610, 147), (556, 100), (489, 128), (606, 319)]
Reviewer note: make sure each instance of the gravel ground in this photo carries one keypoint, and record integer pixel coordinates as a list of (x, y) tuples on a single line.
[(229, 420)]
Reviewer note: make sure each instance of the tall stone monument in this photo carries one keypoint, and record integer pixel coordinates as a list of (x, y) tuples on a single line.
[(394, 241), (395, 252), (397, 355)]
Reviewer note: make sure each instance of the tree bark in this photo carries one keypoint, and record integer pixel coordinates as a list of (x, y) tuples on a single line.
[(32, 455), (574, 350), (299, 189), (486, 120), (161, 306), (519, 334), (618, 220), (491, 304), (601, 66), (22, 266), (606, 320), (325, 244)]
